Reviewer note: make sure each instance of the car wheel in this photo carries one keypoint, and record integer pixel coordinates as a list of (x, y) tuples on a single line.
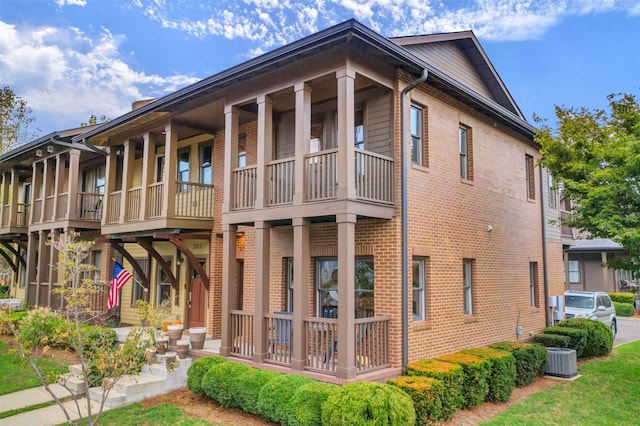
[(614, 327)]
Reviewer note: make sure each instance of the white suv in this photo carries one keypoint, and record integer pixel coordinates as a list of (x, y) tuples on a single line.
[(595, 305)]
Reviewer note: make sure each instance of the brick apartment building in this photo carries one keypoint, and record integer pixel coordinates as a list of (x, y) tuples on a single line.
[(266, 203)]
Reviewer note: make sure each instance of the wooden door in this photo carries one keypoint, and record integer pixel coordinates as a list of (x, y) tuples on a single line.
[(197, 298)]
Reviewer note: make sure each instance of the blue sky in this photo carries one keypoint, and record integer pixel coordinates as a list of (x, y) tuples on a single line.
[(72, 58)]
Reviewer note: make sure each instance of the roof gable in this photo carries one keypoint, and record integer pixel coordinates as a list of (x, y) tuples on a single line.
[(460, 56)]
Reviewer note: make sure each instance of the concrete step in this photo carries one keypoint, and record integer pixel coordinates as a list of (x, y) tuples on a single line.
[(76, 369), (74, 382), (138, 387), (114, 399)]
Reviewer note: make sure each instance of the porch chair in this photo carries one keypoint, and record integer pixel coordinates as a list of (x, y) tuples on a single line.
[(283, 332)]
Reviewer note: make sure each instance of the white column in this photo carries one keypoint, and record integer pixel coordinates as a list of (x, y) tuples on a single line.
[(263, 253), (346, 368), (301, 271), (228, 283), (265, 136), (302, 137), (346, 151), (230, 155)]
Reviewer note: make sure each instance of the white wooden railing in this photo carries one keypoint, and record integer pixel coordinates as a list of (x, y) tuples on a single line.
[(89, 206), (321, 171), (132, 212), (244, 187), (281, 175), (154, 200), (374, 177), (194, 200), (113, 213)]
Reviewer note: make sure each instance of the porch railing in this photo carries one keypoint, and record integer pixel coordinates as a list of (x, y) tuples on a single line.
[(372, 343), (242, 333), (134, 196), (567, 231), (374, 176), (281, 175), (49, 213), (244, 187), (89, 206), (23, 214), (62, 206), (154, 202), (321, 171), (194, 200), (322, 344), (113, 213), (6, 216), (279, 338)]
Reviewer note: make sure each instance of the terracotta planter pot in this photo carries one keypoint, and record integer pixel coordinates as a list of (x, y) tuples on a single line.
[(175, 333), (182, 348), (197, 336), (162, 345), (150, 356), (170, 360)]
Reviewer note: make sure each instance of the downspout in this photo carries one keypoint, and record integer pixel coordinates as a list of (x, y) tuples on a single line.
[(544, 251), (92, 147), (405, 219)]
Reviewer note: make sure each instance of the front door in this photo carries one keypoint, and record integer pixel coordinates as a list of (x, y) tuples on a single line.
[(197, 298)]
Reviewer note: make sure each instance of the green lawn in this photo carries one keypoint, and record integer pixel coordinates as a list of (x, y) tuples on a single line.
[(608, 393), (17, 373), (159, 415)]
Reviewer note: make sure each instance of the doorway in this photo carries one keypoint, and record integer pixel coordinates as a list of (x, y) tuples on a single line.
[(197, 297)]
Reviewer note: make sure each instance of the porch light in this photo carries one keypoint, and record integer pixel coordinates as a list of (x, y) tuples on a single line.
[(38, 153)]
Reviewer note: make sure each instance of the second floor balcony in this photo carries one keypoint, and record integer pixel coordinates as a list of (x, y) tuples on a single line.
[(85, 207)]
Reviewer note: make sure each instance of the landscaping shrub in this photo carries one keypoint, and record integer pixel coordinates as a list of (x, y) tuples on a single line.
[(427, 394), (578, 337), (552, 340), (624, 309), (41, 328), (305, 407), (452, 375), (629, 298), (216, 383), (503, 372), (530, 360), (476, 373), (197, 370), (15, 317), (4, 291), (275, 395), (368, 403), (599, 335), (246, 388), (94, 337)]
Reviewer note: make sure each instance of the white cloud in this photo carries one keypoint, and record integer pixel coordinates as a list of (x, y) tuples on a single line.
[(66, 75), (71, 3)]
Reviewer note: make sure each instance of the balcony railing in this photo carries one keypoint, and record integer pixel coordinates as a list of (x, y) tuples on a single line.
[(132, 212), (281, 175), (49, 213), (89, 206), (154, 203), (374, 177), (194, 200), (567, 231), (244, 186), (321, 171), (113, 213), (22, 218), (62, 206), (37, 210)]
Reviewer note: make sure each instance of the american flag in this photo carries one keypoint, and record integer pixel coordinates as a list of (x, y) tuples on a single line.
[(119, 279)]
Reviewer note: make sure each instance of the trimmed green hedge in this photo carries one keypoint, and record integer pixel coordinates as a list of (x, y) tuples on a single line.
[(629, 298), (452, 375), (275, 395), (427, 394), (305, 407), (577, 337), (247, 386), (217, 382), (197, 370), (530, 360), (624, 309), (599, 335), (368, 403), (503, 372), (552, 340), (476, 372)]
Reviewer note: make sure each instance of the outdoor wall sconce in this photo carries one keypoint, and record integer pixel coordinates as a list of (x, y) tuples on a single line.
[(38, 153), (50, 149)]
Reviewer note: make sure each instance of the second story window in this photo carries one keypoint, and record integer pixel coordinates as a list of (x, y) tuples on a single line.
[(358, 119), (529, 173), (159, 175), (242, 153), (183, 166), (418, 154), (464, 146), (553, 193), (206, 167)]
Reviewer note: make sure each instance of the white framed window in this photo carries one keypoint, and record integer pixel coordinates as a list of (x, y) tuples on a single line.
[(163, 283), (467, 279), (553, 193), (159, 170), (288, 281), (418, 287), (533, 283), (183, 166), (327, 287), (574, 272), (465, 157), (358, 127), (206, 163), (530, 178), (417, 135), (138, 292)]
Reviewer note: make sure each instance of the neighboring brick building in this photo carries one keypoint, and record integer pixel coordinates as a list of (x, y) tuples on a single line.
[(270, 197)]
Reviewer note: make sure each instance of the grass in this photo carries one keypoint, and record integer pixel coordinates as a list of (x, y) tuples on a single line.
[(159, 415), (608, 393), (17, 411), (17, 373)]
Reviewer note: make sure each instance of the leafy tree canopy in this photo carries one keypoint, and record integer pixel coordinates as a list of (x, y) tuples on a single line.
[(595, 157), (16, 120), (94, 120)]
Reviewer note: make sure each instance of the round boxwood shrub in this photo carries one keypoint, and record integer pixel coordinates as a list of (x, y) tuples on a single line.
[(427, 394), (578, 337), (530, 360), (452, 375), (368, 403), (216, 383), (246, 388), (197, 371), (503, 372), (624, 309), (305, 407), (629, 298), (476, 373), (599, 335), (275, 395)]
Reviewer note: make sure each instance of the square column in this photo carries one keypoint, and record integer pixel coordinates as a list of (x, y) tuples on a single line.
[(148, 163), (109, 186), (346, 368), (228, 280), (44, 215), (171, 163), (31, 266), (74, 182), (58, 189), (127, 173), (346, 129), (4, 197), (301, 272), (265, 144), (231, 122), (263, 253), (13, 209), (42, 266), (302, 137)]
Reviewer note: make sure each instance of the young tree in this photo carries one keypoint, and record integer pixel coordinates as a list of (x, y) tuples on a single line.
[(595, 157), (16, 120)]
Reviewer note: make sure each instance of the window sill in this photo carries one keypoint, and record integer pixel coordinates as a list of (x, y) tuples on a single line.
[(421, 325), (470, 319), (531, 200), (420, 168), (467, 182)]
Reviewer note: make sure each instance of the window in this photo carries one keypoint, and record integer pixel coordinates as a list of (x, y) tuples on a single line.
[(242, 154), (533, 284), (553, 194), (96, 261), (358, 119), (418, 127), (467, 278), (574, 272), (163, 283), (288, 280), (119, 167), (531, 182), (138, 292), (419, 282), (206, 155), (159, 172), (183, 166), (327, 287), (464, 145)]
